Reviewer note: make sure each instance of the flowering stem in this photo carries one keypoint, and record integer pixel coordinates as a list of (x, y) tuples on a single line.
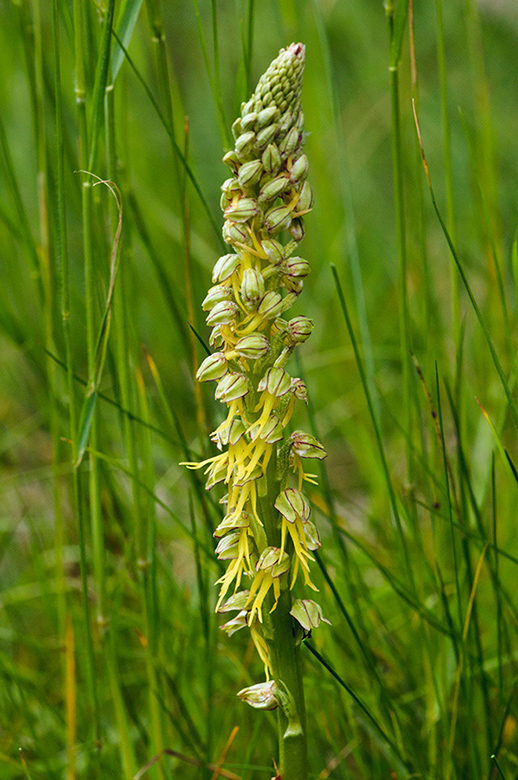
[(266, 536), (285, 653)]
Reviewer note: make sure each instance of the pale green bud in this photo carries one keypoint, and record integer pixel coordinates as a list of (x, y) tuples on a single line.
[(299, 124), (253, 346), (300, 391), (299, 169), (231, 387), (266, 136), (245, 145), (291, 503), (213, 367), (306, 446), (215, 295), (297, 230), (216, 339), (279, 327), (273, 189), (267, 116), (233, 234), (231, 186), (308, 613), (225, 267), (249, 121), (297, 267), (232, 160), (274, 250), (285, 123), (276, 382), (271, 159), (236, 128), (250, 173), (305, 202), (271, 305), (299, 330), (242, 210), (288, 144), (261, 696), (252, 288), (277, 219), (223, 313)]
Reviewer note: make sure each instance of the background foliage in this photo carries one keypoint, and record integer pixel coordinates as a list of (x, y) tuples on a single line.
[(109, 648)]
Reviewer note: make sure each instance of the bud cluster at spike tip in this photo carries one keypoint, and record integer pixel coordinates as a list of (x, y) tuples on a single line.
[(264, 203)]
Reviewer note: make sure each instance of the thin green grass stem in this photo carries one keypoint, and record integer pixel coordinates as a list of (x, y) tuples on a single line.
[(399, 206), (446, 141)]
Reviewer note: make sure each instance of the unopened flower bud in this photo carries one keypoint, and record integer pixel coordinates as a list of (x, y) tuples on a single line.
[(250, 173), (274, 250), (308, 613), (297, 267), (299, 330), (297, 229), (300, 391), (232, 160), (231, 386), (276, 382), (261, 696), (306, 446), (299, 169), (252, 288), (266, 136), (213, 367), (215, 295), (236, 128), (223, 313), (291, 503), (267, 116), (242, 210), (248, 122), (225, 267), (273, 189), (288, 145), (271, 305), (234, 234), (285, 123), (299, 122), (245, 145), (305, 202), (253, 346), (277, 219), (216, 338), (271, 159)]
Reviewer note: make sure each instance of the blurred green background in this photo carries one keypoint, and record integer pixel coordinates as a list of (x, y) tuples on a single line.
[(109, 648)]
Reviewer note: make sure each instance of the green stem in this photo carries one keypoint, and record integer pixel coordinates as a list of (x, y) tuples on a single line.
[(285, 654)]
